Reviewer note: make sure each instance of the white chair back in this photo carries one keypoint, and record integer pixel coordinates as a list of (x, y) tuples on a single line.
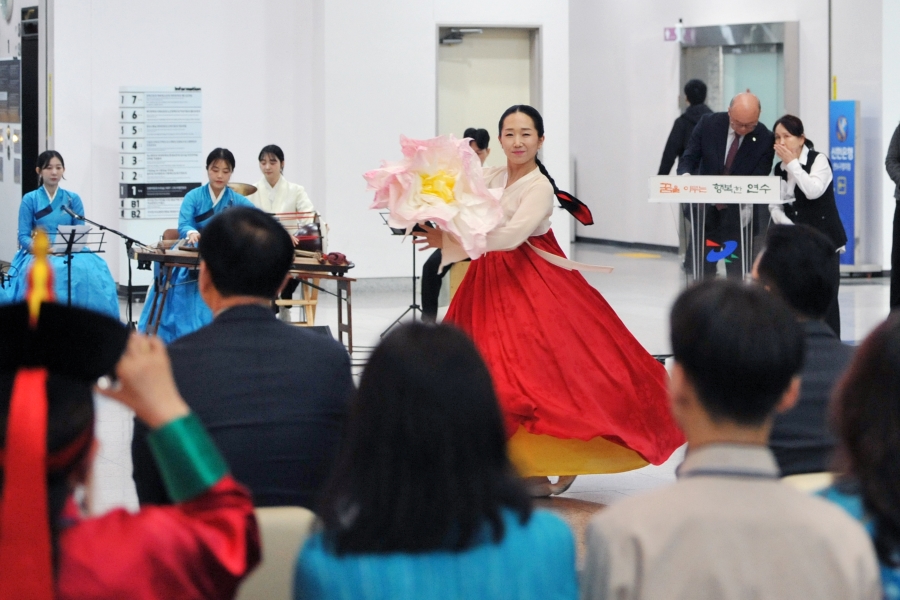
[(283, 530)]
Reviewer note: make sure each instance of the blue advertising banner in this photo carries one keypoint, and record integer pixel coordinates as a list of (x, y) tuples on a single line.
[(842, 124)]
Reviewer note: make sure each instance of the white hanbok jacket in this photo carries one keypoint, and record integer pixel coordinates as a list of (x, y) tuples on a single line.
[(285, 197)]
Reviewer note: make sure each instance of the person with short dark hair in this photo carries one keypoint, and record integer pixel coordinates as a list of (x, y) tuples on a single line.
[(274, 397), (797, 264), (184, 310), (248, 254), (432, 271), (807, 188), (729, 528), (866, 413), (423, 502), (480, 139), (695, 94)]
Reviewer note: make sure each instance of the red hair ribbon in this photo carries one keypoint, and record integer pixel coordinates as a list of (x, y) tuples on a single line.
[(576, 207), (65, 456), (26, 559)]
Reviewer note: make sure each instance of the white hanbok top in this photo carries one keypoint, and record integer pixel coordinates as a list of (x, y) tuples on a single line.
[(284, 197), (527, 205), (812, 184)]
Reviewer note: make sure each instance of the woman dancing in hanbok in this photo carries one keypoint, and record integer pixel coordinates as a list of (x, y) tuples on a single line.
[(579, 393), (185, 311), (92, 283)]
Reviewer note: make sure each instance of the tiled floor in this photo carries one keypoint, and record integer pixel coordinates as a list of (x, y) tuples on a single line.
[(641, 290)]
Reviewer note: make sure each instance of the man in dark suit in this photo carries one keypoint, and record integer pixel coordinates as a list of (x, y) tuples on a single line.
[(798, 264), (274, 397), (730, 143)]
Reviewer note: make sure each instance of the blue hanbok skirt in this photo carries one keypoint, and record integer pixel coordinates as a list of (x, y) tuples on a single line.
[(92, 283)]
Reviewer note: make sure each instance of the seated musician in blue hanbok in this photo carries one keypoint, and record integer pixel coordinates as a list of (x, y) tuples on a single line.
[(92, 283), (184, 311)]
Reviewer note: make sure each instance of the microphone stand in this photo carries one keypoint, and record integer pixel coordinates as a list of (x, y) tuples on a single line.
[(129, 243), (69, 257)]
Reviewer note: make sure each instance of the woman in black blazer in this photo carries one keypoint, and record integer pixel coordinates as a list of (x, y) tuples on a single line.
[(807, 189)]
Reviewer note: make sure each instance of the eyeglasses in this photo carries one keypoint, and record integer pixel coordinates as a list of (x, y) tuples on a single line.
[(739, 125)]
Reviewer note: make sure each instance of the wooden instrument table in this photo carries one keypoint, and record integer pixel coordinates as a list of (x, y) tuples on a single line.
[(303, 268)]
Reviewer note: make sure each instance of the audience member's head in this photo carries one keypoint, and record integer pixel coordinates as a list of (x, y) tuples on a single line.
[(246, 252), (866, 413), (738, 350), (423, 466), (480, 140), (797, 263), (695, 92)]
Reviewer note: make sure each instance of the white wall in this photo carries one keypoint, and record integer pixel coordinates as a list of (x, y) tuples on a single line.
[(379, 81), (856, 51), (334, 83), (251, 60), (624, 98)]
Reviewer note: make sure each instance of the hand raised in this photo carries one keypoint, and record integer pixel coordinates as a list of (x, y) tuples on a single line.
[(432, 237)]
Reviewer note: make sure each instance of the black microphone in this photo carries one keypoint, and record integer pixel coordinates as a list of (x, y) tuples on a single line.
[(72, 213)]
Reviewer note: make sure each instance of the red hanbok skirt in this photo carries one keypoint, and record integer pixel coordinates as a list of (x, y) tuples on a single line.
[(563, 363)]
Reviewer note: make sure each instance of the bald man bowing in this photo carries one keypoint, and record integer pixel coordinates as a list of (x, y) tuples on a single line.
[(729, 143)]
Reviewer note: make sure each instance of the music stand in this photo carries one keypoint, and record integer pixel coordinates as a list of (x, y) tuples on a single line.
[(129, 244), (414, 307), (75, 239), (5, 277)]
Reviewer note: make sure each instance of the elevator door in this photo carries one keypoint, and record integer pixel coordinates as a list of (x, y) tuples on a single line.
[(729, 70)]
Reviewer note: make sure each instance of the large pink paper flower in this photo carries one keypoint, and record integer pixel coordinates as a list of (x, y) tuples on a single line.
[(438, 180)]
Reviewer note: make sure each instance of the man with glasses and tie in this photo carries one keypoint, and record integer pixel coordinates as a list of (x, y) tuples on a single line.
[(729, 143)]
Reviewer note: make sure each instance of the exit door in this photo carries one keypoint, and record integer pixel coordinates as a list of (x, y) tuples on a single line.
[(481, 72)]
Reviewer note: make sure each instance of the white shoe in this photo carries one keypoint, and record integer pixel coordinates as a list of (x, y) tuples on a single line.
[(562, 484)]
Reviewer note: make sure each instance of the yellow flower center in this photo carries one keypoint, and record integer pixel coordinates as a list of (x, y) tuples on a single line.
[(440, 184)]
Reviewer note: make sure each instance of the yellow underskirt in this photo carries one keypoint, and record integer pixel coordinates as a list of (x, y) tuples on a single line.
[(535, 455)]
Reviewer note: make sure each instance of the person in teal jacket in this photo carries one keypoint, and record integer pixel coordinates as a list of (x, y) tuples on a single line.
[(423, 502), (866, 415), (185, 311), (92, 283)]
